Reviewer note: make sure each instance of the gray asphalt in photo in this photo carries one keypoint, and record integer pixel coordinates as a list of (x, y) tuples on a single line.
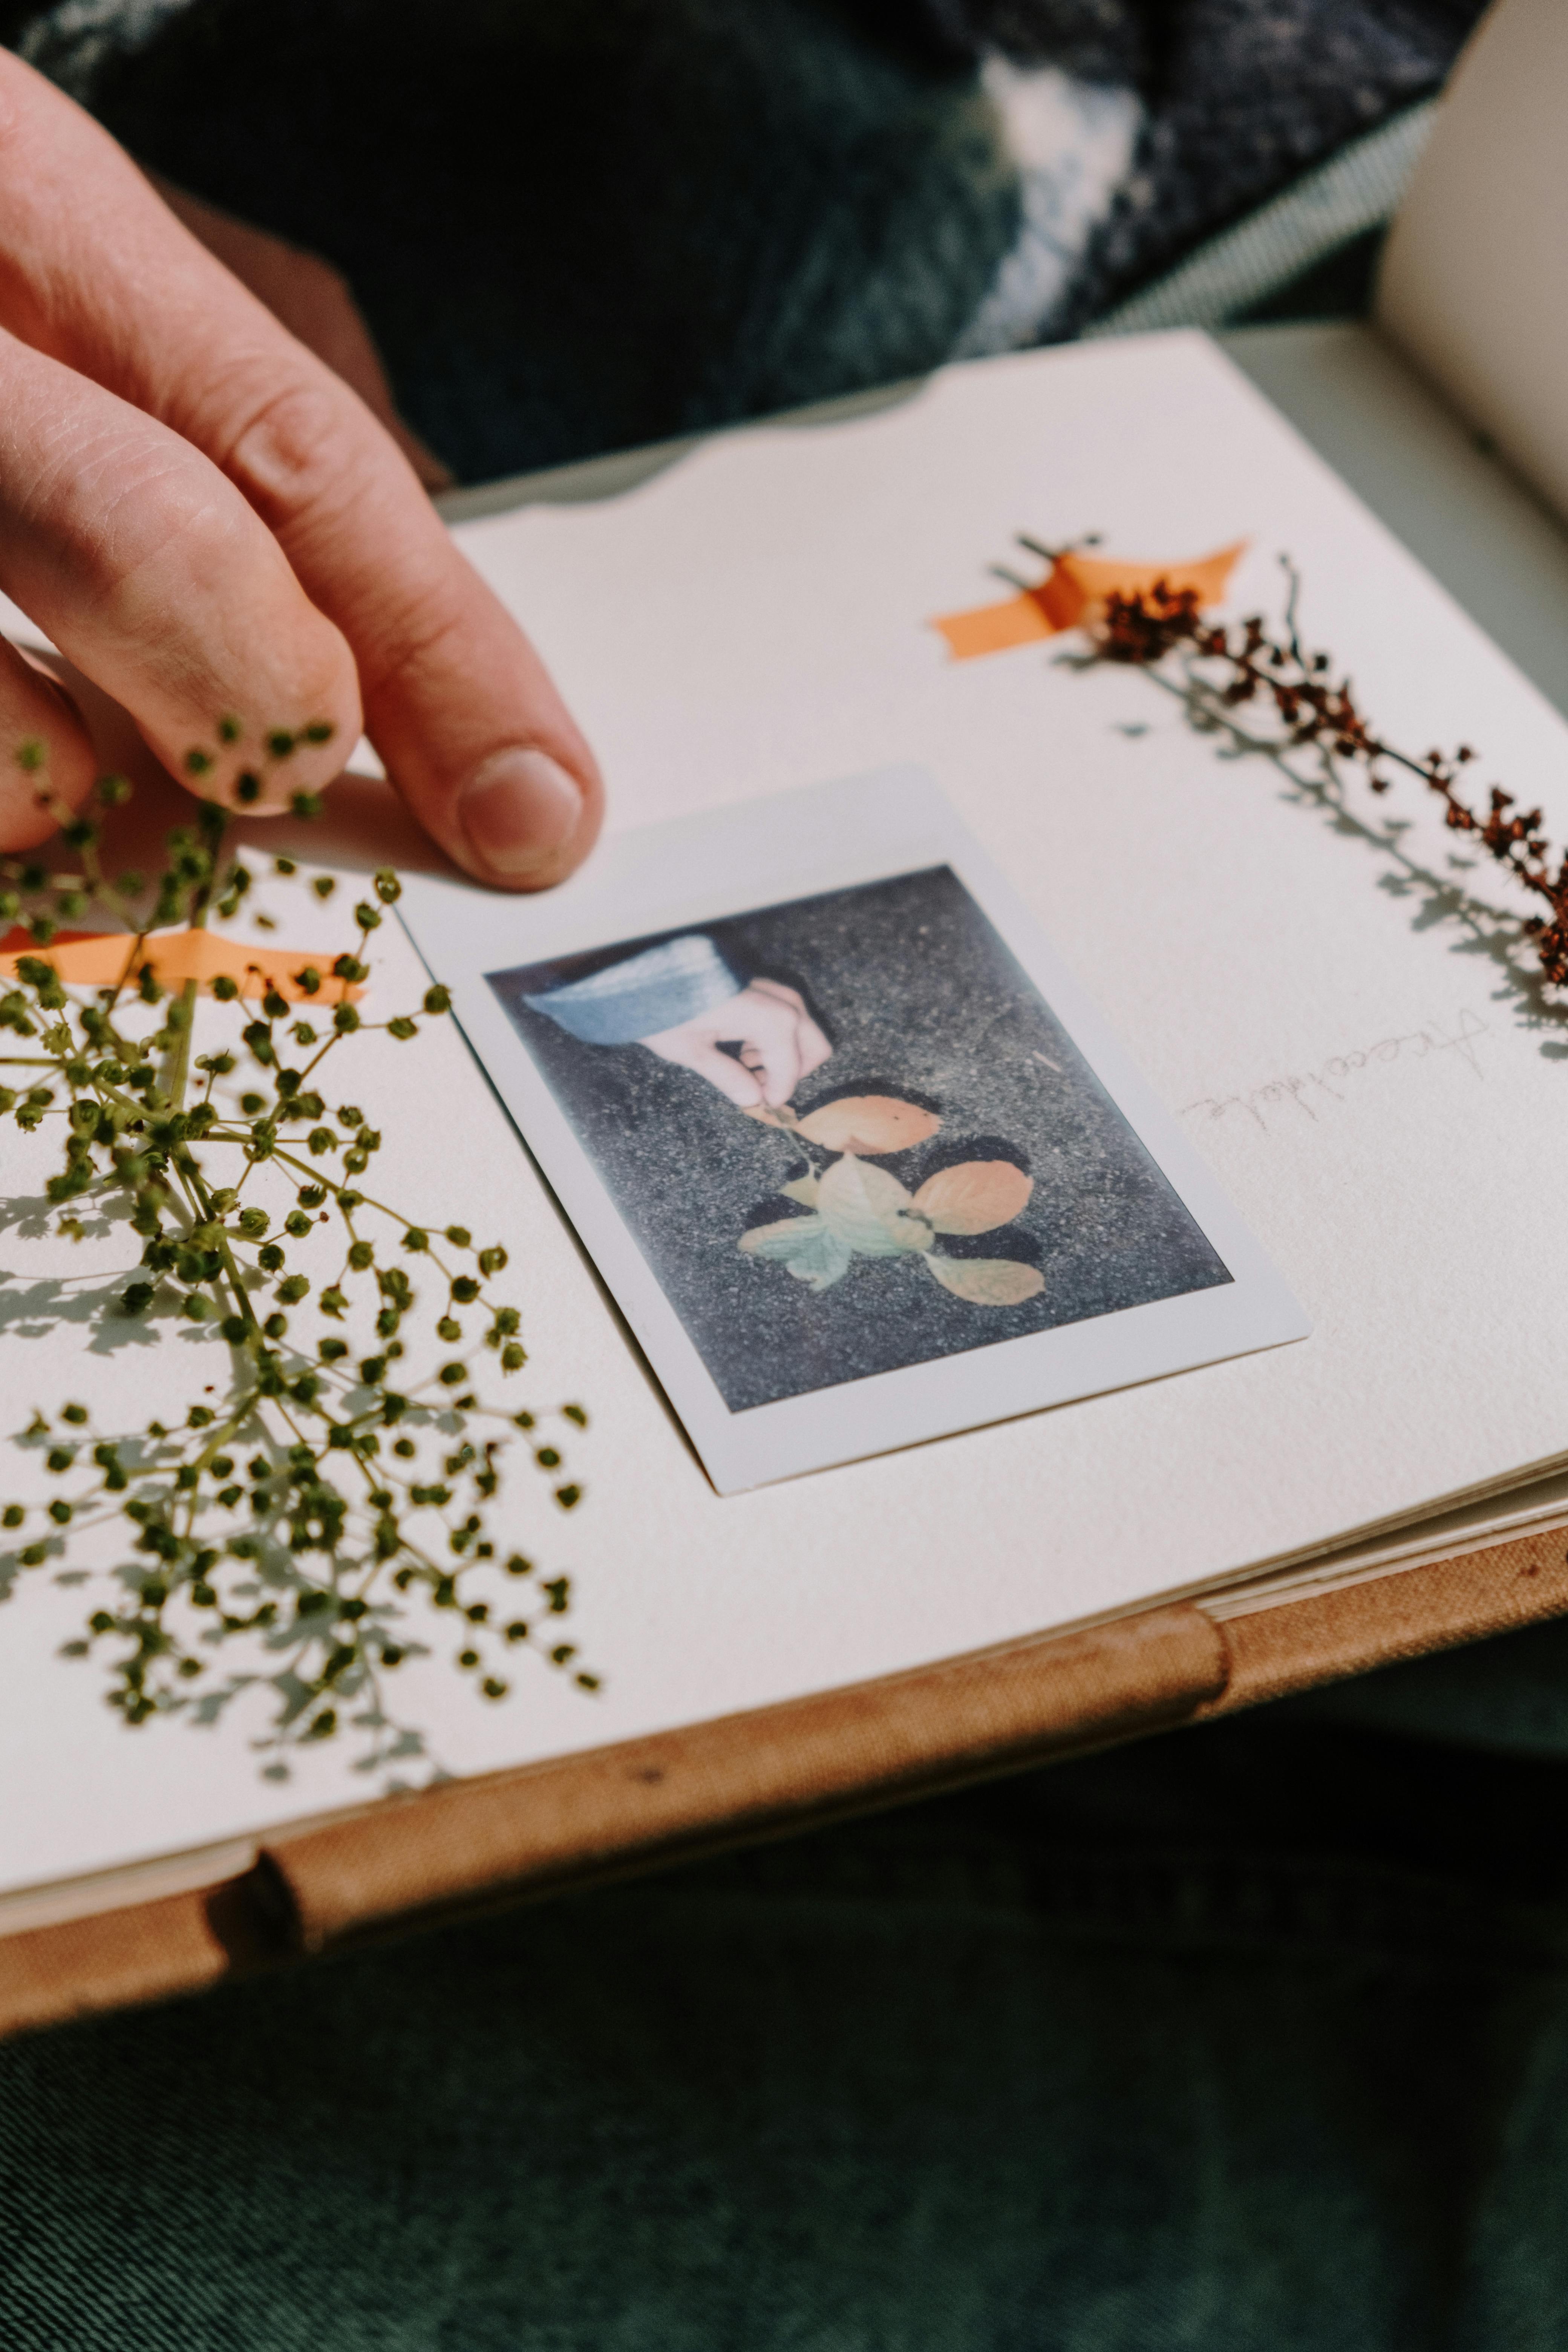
[(921, 999)]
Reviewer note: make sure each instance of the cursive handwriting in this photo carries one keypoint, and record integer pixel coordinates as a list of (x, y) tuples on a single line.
[(1308, 1092)]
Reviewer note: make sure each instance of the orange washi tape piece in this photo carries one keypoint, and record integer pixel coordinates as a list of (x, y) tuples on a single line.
[(99, 960), (1074, 592)]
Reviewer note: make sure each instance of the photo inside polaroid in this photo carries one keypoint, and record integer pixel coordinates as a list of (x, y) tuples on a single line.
[(849, 1135)]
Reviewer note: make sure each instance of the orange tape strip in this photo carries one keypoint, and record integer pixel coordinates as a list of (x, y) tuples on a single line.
[(992, 628), (98, 960), (1075, 593)]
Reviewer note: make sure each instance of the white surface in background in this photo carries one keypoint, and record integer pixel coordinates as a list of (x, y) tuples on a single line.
[(1474, 280)]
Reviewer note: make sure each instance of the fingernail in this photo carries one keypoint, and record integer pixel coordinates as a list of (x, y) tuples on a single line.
[(519, 810)]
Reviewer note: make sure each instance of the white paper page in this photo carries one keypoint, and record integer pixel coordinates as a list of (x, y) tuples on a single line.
[(1384, 1114), (1536, 1508)]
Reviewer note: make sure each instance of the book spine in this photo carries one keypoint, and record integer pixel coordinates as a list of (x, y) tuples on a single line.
[(411, 1861)]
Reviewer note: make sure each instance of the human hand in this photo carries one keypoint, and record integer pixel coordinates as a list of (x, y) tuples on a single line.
[(780, 1045), (207, 522), (314, 302)]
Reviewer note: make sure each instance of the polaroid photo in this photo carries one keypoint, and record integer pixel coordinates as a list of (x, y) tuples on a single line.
[(857, 1162)]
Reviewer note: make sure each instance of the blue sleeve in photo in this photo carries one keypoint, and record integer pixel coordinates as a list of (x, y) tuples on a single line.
[(644, 995)]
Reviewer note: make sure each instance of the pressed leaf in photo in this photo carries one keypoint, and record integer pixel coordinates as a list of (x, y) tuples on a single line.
[(973, 1197), (987, 1281), (862, 1210), (807, 1247), (867, 1125), (869, 1209)]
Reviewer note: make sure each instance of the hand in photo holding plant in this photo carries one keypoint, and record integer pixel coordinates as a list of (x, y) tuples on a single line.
[(685, 1000), (780, 1045)]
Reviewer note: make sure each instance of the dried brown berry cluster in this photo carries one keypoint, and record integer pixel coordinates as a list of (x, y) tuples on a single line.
[(1228, 668)]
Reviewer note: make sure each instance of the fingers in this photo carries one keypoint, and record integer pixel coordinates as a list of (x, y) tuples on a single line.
[(46, 763), (154, 577), (773, 1058), (779, 1042), (314, 301), (457, 701), (771, 1049), (816, 1048), (700, 1054), (811, 1044), (780, 1045), (98, 273)]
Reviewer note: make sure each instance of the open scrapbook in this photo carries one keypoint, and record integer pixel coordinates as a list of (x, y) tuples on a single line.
[(1060, 1235)]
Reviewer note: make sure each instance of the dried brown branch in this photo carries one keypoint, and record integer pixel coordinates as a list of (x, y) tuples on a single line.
[(1228, 668)]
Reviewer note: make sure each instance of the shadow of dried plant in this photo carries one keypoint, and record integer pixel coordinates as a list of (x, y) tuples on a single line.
[(1316, 732)]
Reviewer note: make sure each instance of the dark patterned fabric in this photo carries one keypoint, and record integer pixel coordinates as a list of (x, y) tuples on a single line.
[(1107, 40), (1243, 95), (577, 228), (577, 225)]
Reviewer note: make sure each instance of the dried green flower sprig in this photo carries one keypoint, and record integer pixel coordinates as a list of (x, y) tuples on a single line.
[(283, 1533)]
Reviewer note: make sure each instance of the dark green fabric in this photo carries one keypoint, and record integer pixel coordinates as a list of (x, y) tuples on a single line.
[(583, 225), (580, 228), (1252, 2039)]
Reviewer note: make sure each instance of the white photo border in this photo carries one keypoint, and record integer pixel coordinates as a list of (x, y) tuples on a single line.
[(738, 860)]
